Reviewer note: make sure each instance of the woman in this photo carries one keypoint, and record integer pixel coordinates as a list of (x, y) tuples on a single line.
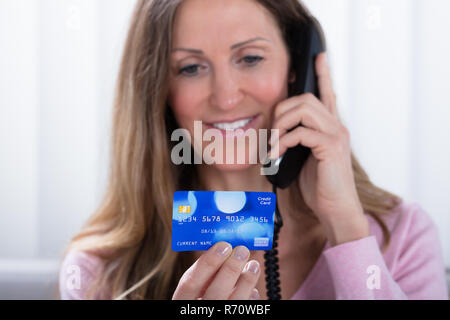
[(343, 237)]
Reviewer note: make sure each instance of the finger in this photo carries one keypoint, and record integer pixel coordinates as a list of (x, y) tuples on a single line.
[(311, 116), (300, 135), (247, 281), (226, 278), (293, 102), (327, 95), (199, 274)]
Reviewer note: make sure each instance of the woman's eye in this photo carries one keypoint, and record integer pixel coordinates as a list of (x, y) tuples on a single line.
[(250, 59), (191, 67), (191, 70)]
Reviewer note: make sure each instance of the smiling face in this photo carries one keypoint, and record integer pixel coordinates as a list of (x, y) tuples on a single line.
[(229, 63)]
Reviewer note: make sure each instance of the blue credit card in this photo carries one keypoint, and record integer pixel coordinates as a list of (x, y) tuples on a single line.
[(202, 218)]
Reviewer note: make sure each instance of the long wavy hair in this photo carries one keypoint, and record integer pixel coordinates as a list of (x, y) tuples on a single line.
[(131, 229)]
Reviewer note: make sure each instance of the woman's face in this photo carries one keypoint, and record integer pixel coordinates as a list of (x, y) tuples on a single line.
[(229, 62)]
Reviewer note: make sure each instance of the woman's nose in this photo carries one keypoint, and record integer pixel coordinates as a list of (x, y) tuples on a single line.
[(226, 93)]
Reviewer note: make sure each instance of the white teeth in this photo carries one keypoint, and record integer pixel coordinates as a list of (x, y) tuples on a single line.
[(232, 125)]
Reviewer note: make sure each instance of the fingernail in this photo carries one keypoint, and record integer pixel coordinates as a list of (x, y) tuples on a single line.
[(241, 253), (254, 295), (252, 266), (222, 249)]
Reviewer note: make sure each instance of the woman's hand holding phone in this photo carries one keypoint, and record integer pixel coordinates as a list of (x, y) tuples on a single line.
[(221, 273), (326, 180)]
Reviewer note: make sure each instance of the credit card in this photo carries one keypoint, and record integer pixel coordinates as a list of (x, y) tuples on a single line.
[(202, 218)]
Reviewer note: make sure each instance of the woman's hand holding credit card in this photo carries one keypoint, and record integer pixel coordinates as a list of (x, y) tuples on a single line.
[(218, 221), (221, 273)]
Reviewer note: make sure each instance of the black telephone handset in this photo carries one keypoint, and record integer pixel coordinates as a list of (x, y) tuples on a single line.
[(305, 42)]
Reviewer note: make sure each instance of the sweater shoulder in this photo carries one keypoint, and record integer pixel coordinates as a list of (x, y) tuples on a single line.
[(79, 269)]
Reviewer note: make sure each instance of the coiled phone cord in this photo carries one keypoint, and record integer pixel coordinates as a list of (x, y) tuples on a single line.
[(271, 259)]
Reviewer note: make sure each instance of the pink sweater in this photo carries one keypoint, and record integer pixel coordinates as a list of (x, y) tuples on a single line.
[(411, 268)]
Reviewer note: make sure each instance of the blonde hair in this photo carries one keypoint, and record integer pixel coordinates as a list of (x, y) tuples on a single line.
[(131, 229)]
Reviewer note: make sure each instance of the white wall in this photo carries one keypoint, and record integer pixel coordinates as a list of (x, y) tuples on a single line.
[(19, 125), (59, 61)]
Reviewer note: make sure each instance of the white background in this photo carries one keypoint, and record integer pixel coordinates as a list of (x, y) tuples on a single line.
[(59, 61)]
